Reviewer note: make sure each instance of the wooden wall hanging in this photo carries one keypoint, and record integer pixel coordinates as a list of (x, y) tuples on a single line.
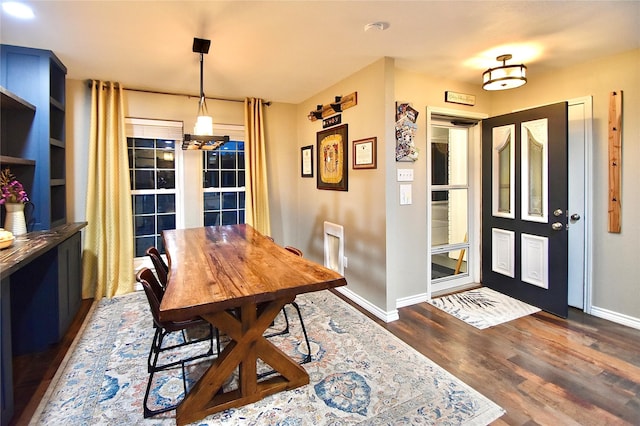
[(341, 103), (615, 160)]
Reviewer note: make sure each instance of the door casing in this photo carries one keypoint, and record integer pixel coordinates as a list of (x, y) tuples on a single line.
[(474, 176)]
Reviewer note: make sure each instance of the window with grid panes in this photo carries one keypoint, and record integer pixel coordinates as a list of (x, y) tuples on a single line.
[(153, 189), (223, 184)]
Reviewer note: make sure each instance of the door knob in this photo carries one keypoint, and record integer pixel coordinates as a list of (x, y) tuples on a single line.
[(558, 212), (557, 226), (575, 216)]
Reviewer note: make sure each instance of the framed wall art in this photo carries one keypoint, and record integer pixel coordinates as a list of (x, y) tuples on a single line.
[(332, 148), (306, 161), (364, 153)]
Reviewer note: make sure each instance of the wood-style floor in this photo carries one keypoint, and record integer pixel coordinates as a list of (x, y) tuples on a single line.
[(541, 369)]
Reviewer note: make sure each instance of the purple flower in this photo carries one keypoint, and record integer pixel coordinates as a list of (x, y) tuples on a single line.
[(11, 188)]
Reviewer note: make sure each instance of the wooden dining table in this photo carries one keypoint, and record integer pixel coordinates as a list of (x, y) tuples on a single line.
[(238, 280)]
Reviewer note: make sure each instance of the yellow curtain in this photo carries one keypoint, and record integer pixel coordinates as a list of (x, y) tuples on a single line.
[(257, 194), (107, 259)]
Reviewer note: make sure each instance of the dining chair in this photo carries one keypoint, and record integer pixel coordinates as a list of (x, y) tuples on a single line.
[(306, 358), (154, 292), (162, 270)]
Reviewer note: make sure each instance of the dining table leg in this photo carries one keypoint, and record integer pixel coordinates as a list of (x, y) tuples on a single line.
[(245, 327)]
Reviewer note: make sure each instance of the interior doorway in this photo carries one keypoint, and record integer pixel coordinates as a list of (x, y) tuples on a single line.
[(580, 202), (453, 200)]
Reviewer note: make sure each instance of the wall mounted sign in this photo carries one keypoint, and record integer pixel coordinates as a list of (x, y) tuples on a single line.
[(332, 158), (340, 104), (459, 98), (332, 121)]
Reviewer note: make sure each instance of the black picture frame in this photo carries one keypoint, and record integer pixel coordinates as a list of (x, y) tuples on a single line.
[(306, 161), (332, 147)]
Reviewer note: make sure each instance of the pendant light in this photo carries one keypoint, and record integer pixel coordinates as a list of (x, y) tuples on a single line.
[(204, 122), (505, 76), (203, 137)]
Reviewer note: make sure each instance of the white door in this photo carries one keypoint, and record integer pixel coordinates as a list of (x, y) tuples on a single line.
[(579, 141)]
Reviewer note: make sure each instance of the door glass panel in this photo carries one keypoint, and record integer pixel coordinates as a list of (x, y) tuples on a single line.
[(535, 176), (448, 264), (449, 215), (534, 170), (504, 179), (449, 156), (503, 171)]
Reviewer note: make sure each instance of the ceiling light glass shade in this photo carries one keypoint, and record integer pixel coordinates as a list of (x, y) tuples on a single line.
[(504, 77), (18, 10), (204, 126)]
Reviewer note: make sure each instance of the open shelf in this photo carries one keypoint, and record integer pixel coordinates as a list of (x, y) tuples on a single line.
[(10, 100), (6, 160)]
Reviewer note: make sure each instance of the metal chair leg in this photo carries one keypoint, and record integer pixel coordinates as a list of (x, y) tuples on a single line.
[(152, 361), (304, 331)]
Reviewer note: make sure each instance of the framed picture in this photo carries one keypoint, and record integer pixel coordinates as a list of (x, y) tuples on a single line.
[(306, 161), (332, 159), (364, 153)]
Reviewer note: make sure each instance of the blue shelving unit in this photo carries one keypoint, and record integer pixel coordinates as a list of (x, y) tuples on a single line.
[(33, 139)]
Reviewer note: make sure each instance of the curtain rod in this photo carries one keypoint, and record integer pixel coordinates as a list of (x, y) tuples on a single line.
[(156, 92)]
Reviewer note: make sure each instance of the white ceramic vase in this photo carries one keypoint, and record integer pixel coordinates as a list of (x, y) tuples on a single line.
[(14, 220)]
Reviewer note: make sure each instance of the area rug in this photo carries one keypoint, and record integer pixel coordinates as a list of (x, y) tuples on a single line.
[(359, 374), (483, 307)]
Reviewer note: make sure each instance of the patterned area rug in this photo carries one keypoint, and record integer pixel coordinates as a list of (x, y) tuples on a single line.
[(359, 374), (483, 307)]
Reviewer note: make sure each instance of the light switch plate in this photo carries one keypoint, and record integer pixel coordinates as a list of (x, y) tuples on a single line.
[(405, 175), (405, 194)]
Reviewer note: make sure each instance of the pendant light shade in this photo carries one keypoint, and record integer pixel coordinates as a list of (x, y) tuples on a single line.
[(505, 76)]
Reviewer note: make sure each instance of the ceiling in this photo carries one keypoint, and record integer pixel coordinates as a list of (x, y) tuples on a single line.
[(286, 51)]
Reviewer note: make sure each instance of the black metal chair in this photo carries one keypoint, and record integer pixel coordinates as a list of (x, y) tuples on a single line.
[(162, 270), (307, 358), (154, 292)]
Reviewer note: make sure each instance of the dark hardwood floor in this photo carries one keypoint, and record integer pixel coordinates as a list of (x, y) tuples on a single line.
[(32, 373), (543, 370)]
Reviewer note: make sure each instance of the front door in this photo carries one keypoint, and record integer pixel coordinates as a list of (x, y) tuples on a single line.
[(524, 209)]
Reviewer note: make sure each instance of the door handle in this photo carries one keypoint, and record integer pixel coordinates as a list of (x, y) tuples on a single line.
[(575, 216), (557, 226)]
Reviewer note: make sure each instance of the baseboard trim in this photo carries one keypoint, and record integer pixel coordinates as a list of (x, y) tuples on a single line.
[(411, 300), (368, 306), (616, 317)]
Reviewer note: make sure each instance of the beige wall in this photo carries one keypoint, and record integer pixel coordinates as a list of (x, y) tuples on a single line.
[(386, 242), (361, 209)]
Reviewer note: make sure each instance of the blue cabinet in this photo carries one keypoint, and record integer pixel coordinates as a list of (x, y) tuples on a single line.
[(33, 128), (40, 294)]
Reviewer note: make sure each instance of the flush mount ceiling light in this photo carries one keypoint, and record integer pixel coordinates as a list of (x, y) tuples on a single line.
[(18, 10), (505, 76)]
